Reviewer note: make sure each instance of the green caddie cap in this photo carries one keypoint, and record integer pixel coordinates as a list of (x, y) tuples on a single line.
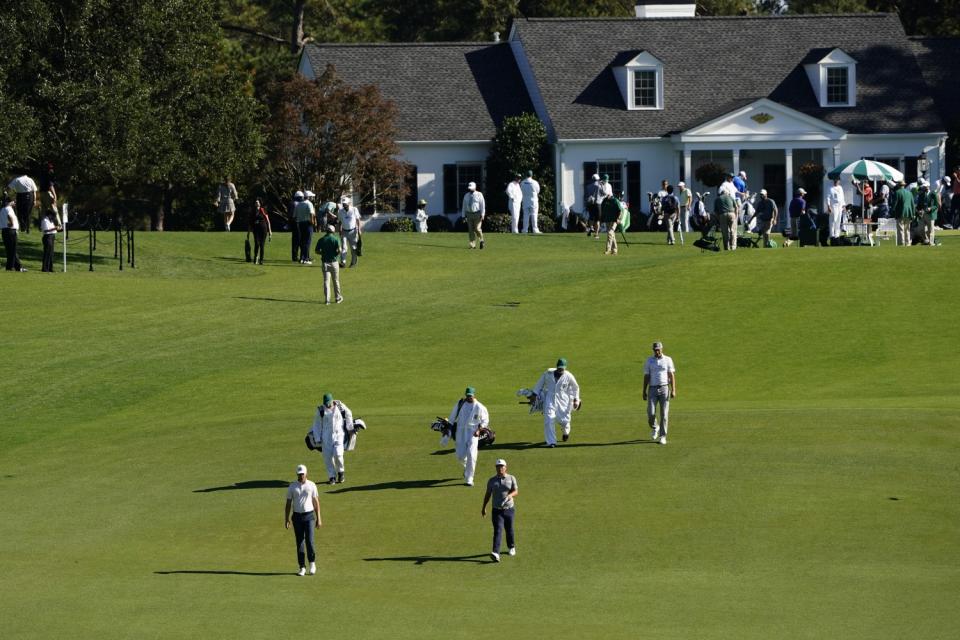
[(562, 363), (327, 398), (470, 392)]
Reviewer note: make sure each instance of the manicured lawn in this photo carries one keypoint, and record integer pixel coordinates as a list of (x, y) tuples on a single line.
[(152, 418)]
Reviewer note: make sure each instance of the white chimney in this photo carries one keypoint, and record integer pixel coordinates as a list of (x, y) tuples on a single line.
[(666, 9)]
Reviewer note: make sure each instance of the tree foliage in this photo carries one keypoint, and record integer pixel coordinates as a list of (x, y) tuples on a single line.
[(331, 138), (520, 145)]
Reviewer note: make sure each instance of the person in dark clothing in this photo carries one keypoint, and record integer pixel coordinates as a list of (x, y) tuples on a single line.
[(260, 226), (49, 228), (294, 229)]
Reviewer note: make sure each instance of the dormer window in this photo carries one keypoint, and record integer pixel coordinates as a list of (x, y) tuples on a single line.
[(838, 86), (640, 80), (833, 77)]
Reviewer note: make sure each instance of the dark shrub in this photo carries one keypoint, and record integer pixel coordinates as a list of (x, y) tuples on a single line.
[(402, 223), (437, 224), (460, 225), (497, 223), (546, 224)]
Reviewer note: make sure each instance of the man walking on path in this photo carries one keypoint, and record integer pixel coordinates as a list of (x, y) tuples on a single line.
[(561, 397), (474, 208), (304, 498), (468, 417), (329, 252), (329, 425), (659, 386), (766, 215), (503, 488)]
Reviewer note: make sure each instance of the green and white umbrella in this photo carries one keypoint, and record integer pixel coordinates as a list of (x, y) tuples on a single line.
[(865, 170)]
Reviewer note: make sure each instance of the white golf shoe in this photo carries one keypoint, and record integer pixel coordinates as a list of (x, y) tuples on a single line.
[(663, 439), (513, 551), (654, 432), (302, 572), (313, 568), (495, 556)]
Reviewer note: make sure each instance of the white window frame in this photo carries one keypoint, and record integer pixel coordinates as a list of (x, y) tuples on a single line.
[(657, 87), (851, 79), (626, 80)]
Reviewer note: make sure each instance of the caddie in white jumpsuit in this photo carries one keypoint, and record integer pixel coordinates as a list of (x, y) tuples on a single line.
[(469, 416), (514, 199), (530, 189), (659, 386), (561, 397), (329, 427)]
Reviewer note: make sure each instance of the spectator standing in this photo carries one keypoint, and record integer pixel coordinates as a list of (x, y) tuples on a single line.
[(903, 209), (530, 189), (49, 228), (685, 197), (740, 184), (928, 204), (502, 488), (294, 229), (514, 202), (26, 198), (611, 214), (10, 229), (866, 197), (592, 197), (659, 387), (329, 253), (226, 201), (260, 226), (474, 208), (304, 499), (48, 193), (348, 218), (766, 214), (836, 205), (725, 215), (421, 217), (795, 210), (306, 219), (670, 206)]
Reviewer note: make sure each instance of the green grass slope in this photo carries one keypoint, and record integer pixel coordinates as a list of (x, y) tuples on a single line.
[(151, 419)]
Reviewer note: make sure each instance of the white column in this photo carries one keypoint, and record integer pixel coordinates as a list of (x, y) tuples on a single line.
[(825, 187), (788, 167), (688, 166), (736, 161)]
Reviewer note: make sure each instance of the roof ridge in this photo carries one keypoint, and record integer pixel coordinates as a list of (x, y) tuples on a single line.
[(790, 16), (398, 45)]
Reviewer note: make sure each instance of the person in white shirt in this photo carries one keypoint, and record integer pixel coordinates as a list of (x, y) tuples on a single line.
[(10, 229), (226, 202), (26, 190), (685, 196), (329, 426), (560, 393), (836, 205), (49, 228), (659, 386), (474, 208), (469, 416), (530, 189), (421, 217), (348, 217), (514, 199), (304, 499)]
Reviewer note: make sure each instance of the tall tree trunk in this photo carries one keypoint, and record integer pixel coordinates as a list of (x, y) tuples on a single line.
[(163, 209), (296, 32)]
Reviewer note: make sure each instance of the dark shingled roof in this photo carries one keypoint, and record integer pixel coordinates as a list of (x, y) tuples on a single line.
[(938, 58), (450, 91), (712, 62)]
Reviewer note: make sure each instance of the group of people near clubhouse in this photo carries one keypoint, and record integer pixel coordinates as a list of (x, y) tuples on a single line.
[(556, 393)]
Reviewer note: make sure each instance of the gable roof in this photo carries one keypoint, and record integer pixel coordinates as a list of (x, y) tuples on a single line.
[(937, 58), (445, 91), (713, 61)]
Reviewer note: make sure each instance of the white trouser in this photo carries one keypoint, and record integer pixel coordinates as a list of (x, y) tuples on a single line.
[(333, 457), (836, 223), (530, 218), (467, 452), (514, 207), (658, 395), (549, 433), (349, 237)]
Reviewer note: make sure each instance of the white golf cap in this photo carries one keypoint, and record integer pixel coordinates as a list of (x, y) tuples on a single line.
[(301, 469), (595, 176), (331, 228), (743, 174), (298, 194), (922, 182), (801, 190), (763, 192), (345, 200), (500, 463), (946, 179), (681, 184), (471, 186), (658, 345), (309, 194)]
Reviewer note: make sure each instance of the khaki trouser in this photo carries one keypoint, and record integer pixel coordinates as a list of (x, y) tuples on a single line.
[(331, 271), (474, 221), (728, 228), (612, 238), (763, 228), (929, 229), (903, 232)]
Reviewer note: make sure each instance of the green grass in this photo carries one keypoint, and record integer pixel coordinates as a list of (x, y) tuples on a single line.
[(810, 488)]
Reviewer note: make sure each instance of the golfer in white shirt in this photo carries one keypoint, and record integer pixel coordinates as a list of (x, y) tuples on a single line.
[(304, 499), (659, 386), (349, 219)]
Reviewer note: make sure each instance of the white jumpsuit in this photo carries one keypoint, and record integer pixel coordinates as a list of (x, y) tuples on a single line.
[(329, 426), (469, 417), (514, 198), (559, 397), (836, 202), (530, 189)]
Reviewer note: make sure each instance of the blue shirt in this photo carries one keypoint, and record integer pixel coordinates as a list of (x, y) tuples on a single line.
[(740, 184), (797, 206)]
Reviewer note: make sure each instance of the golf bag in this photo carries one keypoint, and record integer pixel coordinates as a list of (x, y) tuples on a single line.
[(349, 436), (448, 432), (747, 242), (532, 399)]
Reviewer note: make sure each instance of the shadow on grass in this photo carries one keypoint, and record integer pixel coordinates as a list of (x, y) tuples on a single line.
[(223, 573), (478, 558), (402, 484), (249, 484), (278, 300), (438, 246)]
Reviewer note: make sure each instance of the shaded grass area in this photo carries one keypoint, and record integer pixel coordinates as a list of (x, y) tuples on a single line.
[(809, 489)]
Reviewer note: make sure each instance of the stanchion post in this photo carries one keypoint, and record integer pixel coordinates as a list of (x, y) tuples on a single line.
[(90, 242)]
